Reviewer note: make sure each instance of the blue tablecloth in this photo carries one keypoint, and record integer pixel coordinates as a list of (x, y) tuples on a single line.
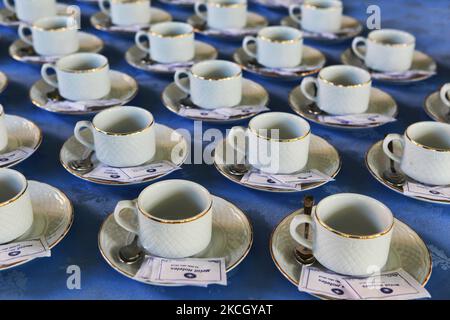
[(257, 277)]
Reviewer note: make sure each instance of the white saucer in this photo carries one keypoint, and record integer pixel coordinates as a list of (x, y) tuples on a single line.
[(350, 28), (313, 60), (253, 94), (102, 21), (254, 23), (166, 140), (408, 251), (123, 88), (53, 217), (380, 103), (436, 109), (141, 60), (21, 133), (23, 52), (377, 162), (9, 18), (232, 238), (421, 62), (3, 82), (322, 157)]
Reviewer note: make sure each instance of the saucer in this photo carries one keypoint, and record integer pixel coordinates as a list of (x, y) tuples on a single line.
[(123, 89), (141, 60), (322, 157), (53, 217), (436, 109), (350, 28), (166, 140), (102, 21), (9, 18), (377, 162), (3, 82), (22, 51), (408, 251), (421, 63), (232, 238), (184, 3), (253, 94), (22, 133), (313, 60), (380, 103), (254, 23)]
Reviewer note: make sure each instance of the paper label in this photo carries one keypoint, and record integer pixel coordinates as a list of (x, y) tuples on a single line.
[(429, 192), (221, 113), (189, 271), (28, 249), (66, 105), (14, 156), (357, 119), (391, 285), (131, 174)]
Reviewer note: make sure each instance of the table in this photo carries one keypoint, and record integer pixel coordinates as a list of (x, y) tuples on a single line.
[(257, 277)]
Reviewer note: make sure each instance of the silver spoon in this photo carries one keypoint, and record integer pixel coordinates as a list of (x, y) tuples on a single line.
[(391, 175), (237, 169), (83, 165), (314, 109), (131, 253), (304, 256)]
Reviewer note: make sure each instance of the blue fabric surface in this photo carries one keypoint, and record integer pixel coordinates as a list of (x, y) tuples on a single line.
[(257, 277)]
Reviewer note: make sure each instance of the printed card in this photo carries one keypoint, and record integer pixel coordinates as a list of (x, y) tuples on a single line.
[(357, 119), (27, 249), (221, 113), (429, 192), (14, 156), (66, 105)]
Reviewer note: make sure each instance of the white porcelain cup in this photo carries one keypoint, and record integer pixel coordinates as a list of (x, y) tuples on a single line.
[(351, 233), (51, 36), (173, 218), (212, 84), (127, 12), (274, 142), (276, 47), (32, 10), (80, 76), (425, 153), (122, 136), (339, 89), (16, 212), (318, 15), (168, 42), (386, 50), (3, 131), (223, 14), (445, 94)]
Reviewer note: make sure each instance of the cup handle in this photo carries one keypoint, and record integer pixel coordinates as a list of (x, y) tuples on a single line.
[(390, 138), (131, 226), (177, 78), (355, 46), (299, 220), (443, 93), (137, 39), (247, 40), (77, 132), (46, 76), (202, 14), (21, 31), (103, 8), (237, 133), (9, 5), (305, 86), (293, 9)]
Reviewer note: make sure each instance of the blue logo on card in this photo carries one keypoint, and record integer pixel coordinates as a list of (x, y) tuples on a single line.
[(14, 253), (3, 159), (190, 275), (115, 176), (151, 170), (386, 290), (339, 292)]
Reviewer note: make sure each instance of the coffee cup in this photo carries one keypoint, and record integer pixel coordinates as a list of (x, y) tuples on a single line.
[(16, 212), (276, 47), (173, 218), (222, 14), (212, 84), (31, 10), (274, 142), (122, 136), (80, 76), (386, 50), (339, 90), (445, 94), (425, 155), (3, 131), (127, 12), (352, 233), (51, 36), (318, 15), (168, 42)]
